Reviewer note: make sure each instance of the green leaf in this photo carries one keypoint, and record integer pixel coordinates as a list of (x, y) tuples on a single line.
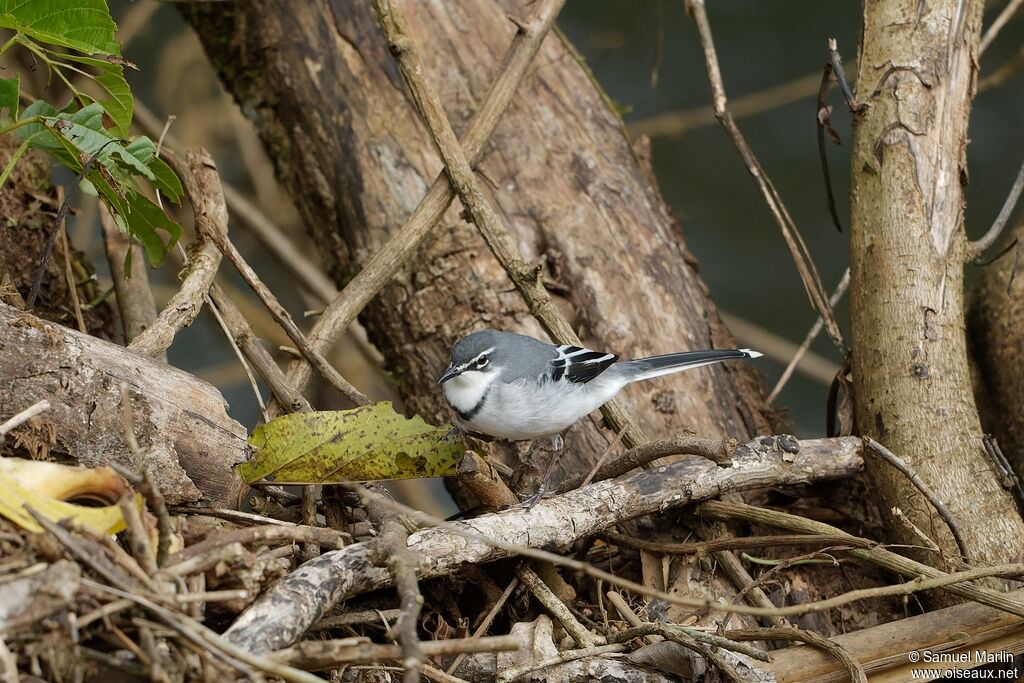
[(9, 96), (83, 25), (144, 219), (368, 443), (164, 179)]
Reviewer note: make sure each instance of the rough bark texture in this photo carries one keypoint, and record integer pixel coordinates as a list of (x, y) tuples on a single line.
[(996, 324), (324, 93), (917, 71), (186, 437)]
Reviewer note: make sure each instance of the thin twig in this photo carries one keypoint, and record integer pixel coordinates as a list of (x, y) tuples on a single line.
[(997, 25), (317, 655), (481, 630), (794, 241), (812, 334), (741, 543), (979, 246), (58, 222), (555, 607), (69, 277), (24, 416), (241, 357), (666, 630), (715, 450), (940, 507)]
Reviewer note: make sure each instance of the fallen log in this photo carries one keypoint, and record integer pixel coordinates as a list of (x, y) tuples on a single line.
[(283, 614), (187, 439)]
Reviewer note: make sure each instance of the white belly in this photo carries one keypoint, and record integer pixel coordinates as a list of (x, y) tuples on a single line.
[(521, 410)]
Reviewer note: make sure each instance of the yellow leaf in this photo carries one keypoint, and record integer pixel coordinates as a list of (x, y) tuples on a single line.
[(14, 497), (368, 443)]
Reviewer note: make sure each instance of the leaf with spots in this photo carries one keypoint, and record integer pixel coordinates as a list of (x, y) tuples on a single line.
[(368, 443)]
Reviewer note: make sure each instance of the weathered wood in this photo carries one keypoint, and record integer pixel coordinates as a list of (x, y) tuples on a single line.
[(283, 614), (189, 441), (318, 82)]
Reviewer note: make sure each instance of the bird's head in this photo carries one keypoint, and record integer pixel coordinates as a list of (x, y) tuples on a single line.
[(473, 357)]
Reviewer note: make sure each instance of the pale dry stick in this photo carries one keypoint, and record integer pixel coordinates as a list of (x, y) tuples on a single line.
[(978, 247), (853, 667), (284, 319), (317, 655), (201, 269), (249, 343), (878, 556), (69, 277), (10, 663), (440, 676), (135, 301), (292, 533), (997, 25), (204, 637), (481, 630), (241, 356), (604, 457), (24, 416), (813, 366), (356, 618), (665, 630), (459, 168), (510, 675), (676, 123), (309, 275), (405, 243), (940, 507), (555, 607), (393, 552), (794, 241), (812, 334), (736, 543)]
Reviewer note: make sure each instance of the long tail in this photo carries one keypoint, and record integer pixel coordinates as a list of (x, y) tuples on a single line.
[(656, 366)]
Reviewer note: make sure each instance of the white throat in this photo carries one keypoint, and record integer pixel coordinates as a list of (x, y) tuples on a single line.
[(464, 392)]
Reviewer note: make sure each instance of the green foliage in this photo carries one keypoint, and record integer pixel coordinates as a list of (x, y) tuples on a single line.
[(368, 443), (56, 32)]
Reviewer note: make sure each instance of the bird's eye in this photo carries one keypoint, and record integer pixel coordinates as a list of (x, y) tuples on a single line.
[(482, 361)]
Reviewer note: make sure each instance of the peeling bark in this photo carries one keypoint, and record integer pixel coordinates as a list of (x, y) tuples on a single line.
[(917, 71)]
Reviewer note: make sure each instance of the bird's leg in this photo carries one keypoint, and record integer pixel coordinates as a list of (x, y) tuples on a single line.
[(557, 444)]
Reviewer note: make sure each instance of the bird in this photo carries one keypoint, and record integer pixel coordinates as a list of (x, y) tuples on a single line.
[(514, 387)]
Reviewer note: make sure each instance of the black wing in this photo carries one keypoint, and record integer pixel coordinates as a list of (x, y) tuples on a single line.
[(580, 365)]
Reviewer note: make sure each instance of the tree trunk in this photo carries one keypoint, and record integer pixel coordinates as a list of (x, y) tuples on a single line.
[(917, 69), (327, 99)]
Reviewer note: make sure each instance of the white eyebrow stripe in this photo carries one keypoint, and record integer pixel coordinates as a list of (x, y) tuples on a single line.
[(577, 353)]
